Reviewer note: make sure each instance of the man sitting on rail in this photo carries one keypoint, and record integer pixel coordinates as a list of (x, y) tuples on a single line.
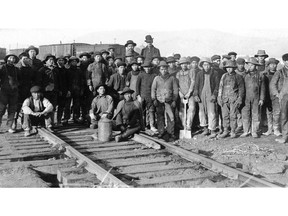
[(128, 115), (101, 107), (37, 110)]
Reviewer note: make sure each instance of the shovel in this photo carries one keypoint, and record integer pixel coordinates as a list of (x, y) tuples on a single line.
[(184, 134)]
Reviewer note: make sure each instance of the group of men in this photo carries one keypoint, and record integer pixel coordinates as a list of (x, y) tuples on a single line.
[(147, 91)]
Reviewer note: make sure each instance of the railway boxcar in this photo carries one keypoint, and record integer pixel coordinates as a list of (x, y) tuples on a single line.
[(2, 53), (16, 51)]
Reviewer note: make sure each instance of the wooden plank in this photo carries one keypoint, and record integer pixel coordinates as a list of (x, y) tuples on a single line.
[(134, 161), (113, 144), (32, 147), (22, 157), (92, 167), (147, 142), (111, 149), (214, 165)]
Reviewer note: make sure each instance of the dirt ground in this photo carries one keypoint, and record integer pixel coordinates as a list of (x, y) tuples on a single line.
[(259, 156)]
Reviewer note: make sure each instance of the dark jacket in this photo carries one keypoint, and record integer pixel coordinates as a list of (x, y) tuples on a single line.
[(144, 84), (276, 84), (96, 74), (47, 78), (214, 82), (26, 80), (76, 79), (9, 78), (148, 53), (260, 86), (62, 75)]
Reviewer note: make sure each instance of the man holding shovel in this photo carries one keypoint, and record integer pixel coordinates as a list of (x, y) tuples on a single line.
[(230, 97)]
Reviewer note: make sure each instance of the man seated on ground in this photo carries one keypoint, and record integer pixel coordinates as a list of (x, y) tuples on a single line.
[(36, 110), (128, 116), (101, 107)]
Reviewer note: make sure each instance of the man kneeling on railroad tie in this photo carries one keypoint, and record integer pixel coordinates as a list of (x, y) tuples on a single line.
[(36, 110), (128, 116), (101, 107)]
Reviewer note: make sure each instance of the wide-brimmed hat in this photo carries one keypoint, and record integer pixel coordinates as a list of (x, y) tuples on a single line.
[(240, 61), (97, 53), (61, 57), (134, 62), (253, 60), (99, 85), (85, 54), (35, 89), (49, 55), (232, 53), (16, 58), (226, 56), (170, 59), (23, 54), (230, 64), (156, 56), (183, 60), (273, 61), (285, 57), (261, 53), (163, 64), (205, 59), (109, 57), (130, 42), (215, 57), (104, 51), (121, 64), (177, 56), (32, 48), (194, 58), (118, 57), (72, 58), (140, 56), (149, 39), (147, 64), (127, 90)]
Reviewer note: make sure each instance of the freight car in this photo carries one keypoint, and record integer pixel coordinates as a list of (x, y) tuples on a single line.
[(16, 51), (77, 48), (2, 53)]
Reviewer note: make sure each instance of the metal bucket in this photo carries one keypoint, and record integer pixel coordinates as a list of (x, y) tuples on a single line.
[(104, 130)]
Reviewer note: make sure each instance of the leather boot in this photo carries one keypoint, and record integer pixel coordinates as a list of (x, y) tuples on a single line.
[(224, 134), (213, 134), (206, 131)]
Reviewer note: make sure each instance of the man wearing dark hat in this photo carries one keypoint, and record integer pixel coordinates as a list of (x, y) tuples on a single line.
[(205, 93), (216, 62), (143, 93), (111, 66), (233, 55), (149, 51), (97, 74), (117, 82), (164, 94), (63, 93), (271, 105), (104, 54), (155, 63), (230, 97), (129, 58), (111, 50), (26, 78), (261, 56), (130, 45), (128, 116), (177, 56), (186, 81), (132, 77), (254, 99), (140, 61), (76, 86), (172, 69), (9, 90), (37, 110), (101, 107), (240, 62), (36, 64), (279, 89), (47, 79)]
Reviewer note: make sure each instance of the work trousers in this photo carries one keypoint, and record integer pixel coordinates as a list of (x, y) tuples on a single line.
[(273, 116), (130, 131), (63, 107), (284, 116), (251, 116), (165, 109), (30, 120), (148, 112), (76, 104), (190, 112), (8, 100), (229, 113), (208, 115)]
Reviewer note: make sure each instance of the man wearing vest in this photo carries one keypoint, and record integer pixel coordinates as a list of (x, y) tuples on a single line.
[(36, 110)]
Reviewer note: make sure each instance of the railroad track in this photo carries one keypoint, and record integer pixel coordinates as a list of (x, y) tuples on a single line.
[(132, 164)]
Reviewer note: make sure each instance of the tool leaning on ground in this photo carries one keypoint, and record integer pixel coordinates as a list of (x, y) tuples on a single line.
[(184, 134)]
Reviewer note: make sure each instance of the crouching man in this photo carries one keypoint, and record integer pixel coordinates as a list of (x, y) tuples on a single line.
[(37, 110), (101, 107), (128, 116)]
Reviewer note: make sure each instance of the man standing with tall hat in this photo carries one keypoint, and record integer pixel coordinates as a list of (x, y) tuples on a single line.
[(149, 51), (261, 56)]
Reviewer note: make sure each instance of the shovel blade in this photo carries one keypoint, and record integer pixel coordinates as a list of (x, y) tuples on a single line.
[(185, 134)]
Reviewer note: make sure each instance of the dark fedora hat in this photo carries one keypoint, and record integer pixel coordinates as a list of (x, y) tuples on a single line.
[(16, 58), (127, 90), (35, 89), (177, 56), (121, 64), (215, 57), (285, 57), (109, 57), (240, 61), (232, 53), (149, 39), (253, 60), (261, 53), (140, 56), (101, 84), (130, 42), (134, 62), (170, 59), (195, 58), (72, 58), (273, 61), (23, 54), (118, 57), (97, 53), (85, 54), (49, 55), (226, 56), (61, 57), (32, 48), (163, 64), (230, 64), (104, 51)]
